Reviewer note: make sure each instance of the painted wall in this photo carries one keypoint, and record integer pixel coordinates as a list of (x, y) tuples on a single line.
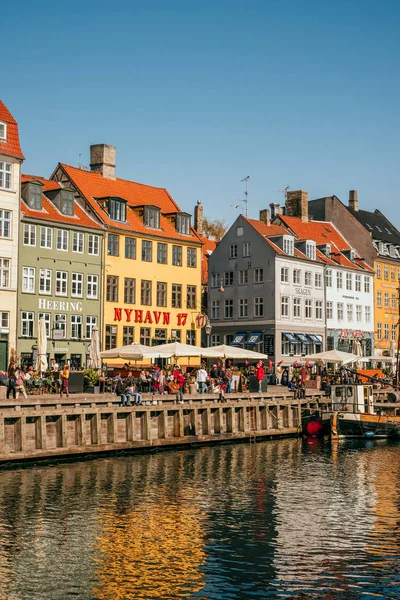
[(386, 315)]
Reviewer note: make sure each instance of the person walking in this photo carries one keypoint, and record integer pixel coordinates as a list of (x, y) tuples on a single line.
[(64, 381), (162, 382), (201, 380), (260, 373), (11, 380), (19, 383), (228, 374)]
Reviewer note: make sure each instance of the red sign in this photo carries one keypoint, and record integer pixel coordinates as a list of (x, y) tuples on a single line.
[(148, 316), (201, 321)]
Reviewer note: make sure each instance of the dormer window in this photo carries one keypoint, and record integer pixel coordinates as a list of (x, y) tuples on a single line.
[(67, 202), (352, 255), (288, 244), (328, 250), (183, 223), (117, 209), (3, 131), (152, 217), (35, 196), (311, 250)]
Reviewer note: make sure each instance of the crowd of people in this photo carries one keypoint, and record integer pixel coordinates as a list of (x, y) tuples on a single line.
[(17, 379)]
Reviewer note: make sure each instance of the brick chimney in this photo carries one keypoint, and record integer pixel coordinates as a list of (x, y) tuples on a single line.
[(297, 204), (265, 216), (353, 200), (198, 218), (276, 209), (102, 159)]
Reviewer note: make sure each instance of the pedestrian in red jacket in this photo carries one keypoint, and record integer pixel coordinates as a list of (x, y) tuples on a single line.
[(260, 372)]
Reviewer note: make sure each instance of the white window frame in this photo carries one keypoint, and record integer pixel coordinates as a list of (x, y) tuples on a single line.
[(367, 284), (77, 283), (318, 280), (349, 281), (60, 324), (78, 242), (349, 312), (284, 307), (5, 320), (93, 244), (62, 279), (259, 275), (243, 277), (3, 131), (233, 251), (296, 308), (28, 280), (46, 235), (288, 245), (329, 310), (308, 308), (259, 306), (5, 223), (47, 321), (379, 330), (308, 279), (91, 321), (92, 289), (379, 299), (5, 273), (319, 310), (246, 249), (29, 238), (45, 277), (27, 323), (357, 283), (284, 274), (358, 312), (328, 278), (215, 308), (6, 175), (243, 308), (340, 311), (62, 240), (367, 314), (311, 250), (76, 320), (339, 280), (297, 276)]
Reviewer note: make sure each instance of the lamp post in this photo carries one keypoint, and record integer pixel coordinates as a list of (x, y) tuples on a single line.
[(208, 329)]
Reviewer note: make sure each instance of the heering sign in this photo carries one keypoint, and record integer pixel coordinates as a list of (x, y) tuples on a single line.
[(148, 316), (64, 306), (302, 291)]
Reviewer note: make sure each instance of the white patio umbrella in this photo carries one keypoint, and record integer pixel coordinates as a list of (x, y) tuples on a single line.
[(94, 350), (41, 359), (378, 358), (133, 351), (177, 350), (225, 351), (357, 349), (333, 356)]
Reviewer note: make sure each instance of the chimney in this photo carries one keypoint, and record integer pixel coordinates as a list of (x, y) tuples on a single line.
[(265, 216), (198, 218), (102, 160), (276, 209), (353, 200), (297, 204)]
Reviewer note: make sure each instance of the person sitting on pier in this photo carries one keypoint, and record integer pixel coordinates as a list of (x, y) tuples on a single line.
[(122, 392), (135, 396)]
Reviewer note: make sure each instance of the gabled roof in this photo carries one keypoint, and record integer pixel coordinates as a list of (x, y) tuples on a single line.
[(11, 146), (266, 230), (377, 225), (50, 211), (92, 185)]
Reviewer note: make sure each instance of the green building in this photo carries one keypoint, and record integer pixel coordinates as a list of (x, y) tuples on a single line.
[(60, 263)]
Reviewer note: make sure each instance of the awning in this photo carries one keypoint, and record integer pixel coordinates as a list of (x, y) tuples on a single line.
[(289, 336), (314, 338), (303, 338), (253, 338), (238, 338)]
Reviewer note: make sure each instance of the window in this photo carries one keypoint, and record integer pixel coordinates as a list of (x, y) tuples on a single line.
[(243, 308), (5, 223), (258, 275), (308, 279), (177, 256), (92, 286), (339, 280), (130, 247), (61, 283), (329, 310), (5, 320), (368, 314), (111, 336), (129, 290), (228, 309), (349, 312), (46, 317), (176, 335), (5, 272), (394, 301), (215, 339), (243, 277), (284, 275), (191, 337), (3, 131), (297, 276), (318, 309), (349, 281), (228, 278), (246, 249), (386, 330), (328, 278), (191, 296), (77, 285), (259, 307), (358, 283), (46, 237), (145, 336), (393, 273), (284, 306), (28, 279), (233, 251), (379, 330), (147, 251), (288, 245), (183, 224), (379, 299), (45, 281), (93, 244), (393, 333), (215, 309), (385, 272), (192, 257), (386, 300), (62, 240), (296, 308), (67, 202), (161, 294), (91, 322), (76, 327), (152, 217), (27, 323), (311, 250), (29, 235), (128, 335), (176, 300), (162, 253), (5, 175), (318, 280), (340, 311), (117, 209), (378, 272), (112, 288), (145, 295), (77, 242), (113, 244), (367, 284), (308, 309), (358, 312), (60, 324)]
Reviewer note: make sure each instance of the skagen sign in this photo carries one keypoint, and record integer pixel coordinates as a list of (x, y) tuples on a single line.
[(302, 291), (65, 306)]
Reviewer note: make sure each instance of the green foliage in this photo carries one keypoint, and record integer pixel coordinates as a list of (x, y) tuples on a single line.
[(91, 377), (216, 228)]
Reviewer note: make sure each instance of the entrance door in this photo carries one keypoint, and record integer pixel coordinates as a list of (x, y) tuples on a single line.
[(3, 355)]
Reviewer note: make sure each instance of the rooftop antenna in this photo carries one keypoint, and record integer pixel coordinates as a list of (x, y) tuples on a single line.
[(80, 165), (245, 179), (284, 191)]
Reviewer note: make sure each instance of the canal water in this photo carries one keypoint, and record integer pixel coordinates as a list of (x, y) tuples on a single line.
[(275, 519)]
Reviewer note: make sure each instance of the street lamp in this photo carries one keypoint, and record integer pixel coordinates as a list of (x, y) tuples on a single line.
[(208, 329)]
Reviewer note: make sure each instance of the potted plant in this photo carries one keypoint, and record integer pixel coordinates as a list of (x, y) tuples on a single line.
[(91, 378)]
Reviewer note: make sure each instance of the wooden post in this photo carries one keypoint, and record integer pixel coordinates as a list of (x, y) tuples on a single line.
[(130, 429), (63, 430), (112, 428), (147, 426), (42, 429), (79, 430), (2, 435), (95, 428), (180, 423)]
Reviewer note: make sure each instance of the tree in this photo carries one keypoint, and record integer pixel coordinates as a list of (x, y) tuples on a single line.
[(214, 228)]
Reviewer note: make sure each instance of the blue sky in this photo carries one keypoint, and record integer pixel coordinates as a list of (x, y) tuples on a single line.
[(198, 95)]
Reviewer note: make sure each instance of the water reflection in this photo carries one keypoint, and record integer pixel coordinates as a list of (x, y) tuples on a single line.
[(267, 520)]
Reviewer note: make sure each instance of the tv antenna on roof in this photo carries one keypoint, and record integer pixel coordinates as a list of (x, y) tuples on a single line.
[(245, 179), (284, 191)]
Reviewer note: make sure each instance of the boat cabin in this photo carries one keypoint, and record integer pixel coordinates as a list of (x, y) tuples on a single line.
[(352, 397)]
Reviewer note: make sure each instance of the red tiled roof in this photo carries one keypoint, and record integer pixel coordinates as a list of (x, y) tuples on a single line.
[(206, 250), (11, 146), (265, 229), (92, 185), (50, 212)]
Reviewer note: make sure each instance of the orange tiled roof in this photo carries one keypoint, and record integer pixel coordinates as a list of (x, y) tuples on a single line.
[(92, 185), (206, 250), (50, 212), (265, 229), (11, 146)]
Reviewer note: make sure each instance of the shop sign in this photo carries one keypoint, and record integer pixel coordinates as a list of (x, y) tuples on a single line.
[(201, 321), (302, 291), (148, 316), (60, 349), (62, 305)]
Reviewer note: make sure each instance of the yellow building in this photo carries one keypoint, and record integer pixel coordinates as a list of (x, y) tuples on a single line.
[(387, 275), (151, 256)]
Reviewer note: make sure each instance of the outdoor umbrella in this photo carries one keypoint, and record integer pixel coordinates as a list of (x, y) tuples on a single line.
[(41, 360), (377, 358), (177, 350), (333, 356), (224, 351), (133, 351), (357, 349), (94, 350)]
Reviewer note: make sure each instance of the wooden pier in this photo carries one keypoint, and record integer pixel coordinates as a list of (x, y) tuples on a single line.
[(49, 428)]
